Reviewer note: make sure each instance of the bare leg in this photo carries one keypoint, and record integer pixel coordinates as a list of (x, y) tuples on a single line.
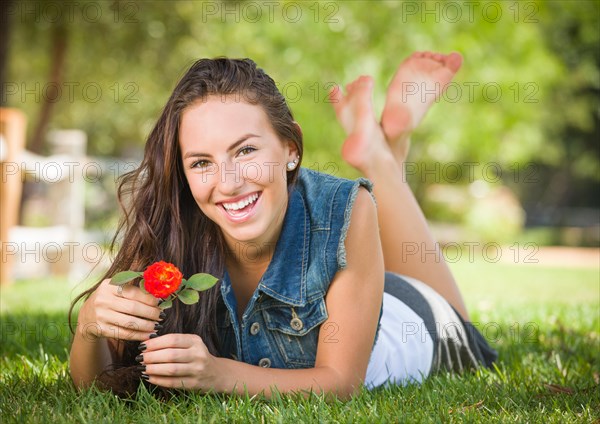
[(408, 245)]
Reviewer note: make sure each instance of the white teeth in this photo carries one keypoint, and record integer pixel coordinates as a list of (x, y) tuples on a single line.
[(241, 204)]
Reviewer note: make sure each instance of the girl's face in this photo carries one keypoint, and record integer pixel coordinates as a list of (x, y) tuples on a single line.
[(236, 168)]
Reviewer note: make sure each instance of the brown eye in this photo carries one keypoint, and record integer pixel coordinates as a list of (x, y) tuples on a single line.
[(200, 164), (245, 150)]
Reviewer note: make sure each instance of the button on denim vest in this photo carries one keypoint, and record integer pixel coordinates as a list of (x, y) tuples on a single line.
[(282, 321)]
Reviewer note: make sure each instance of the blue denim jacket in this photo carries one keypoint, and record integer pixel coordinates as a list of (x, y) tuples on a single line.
[(280, 326)]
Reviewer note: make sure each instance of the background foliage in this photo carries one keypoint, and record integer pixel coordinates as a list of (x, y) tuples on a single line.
[(523, 113)]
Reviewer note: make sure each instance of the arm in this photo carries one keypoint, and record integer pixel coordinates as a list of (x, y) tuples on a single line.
[(89, 356), (103, 319), (353, 303)]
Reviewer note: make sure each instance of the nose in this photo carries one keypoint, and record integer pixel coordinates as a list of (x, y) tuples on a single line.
[(230, 178)]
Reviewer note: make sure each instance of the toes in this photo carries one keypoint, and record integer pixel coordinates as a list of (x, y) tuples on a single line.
[(365, 80), (360, 82), (454, 61)]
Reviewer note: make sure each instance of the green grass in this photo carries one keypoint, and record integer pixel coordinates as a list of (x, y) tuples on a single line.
[(544, 322)]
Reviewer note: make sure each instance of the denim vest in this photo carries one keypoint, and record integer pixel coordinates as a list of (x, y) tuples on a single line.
[(280, 326)]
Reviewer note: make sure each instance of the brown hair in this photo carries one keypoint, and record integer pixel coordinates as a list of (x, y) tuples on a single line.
[(162, 221)]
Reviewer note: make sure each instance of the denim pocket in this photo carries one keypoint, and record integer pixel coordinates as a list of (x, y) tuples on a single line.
[(295, 331), (226, 335)]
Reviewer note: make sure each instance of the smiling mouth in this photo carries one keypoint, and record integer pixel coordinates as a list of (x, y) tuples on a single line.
[(241, 207)]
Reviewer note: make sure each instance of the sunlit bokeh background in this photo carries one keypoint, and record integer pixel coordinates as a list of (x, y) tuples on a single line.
[(508, 157)]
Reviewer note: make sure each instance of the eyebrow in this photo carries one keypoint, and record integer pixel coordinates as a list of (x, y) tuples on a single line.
[(230, 148)]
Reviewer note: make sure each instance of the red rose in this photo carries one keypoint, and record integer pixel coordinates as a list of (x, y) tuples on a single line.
[(161, 279)]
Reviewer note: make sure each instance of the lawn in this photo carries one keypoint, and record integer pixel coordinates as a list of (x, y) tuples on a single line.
[(543, 321)]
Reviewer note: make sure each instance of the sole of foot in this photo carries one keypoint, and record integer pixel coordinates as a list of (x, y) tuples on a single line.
[(418, 82), (354, 111)]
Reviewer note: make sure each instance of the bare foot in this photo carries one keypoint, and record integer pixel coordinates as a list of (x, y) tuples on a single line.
[(418, 82), (366, 141)]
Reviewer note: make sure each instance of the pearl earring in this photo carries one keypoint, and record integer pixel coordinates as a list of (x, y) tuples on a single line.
[(292, 165)]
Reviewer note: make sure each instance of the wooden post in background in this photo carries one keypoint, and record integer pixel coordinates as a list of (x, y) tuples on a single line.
[(13, 125)]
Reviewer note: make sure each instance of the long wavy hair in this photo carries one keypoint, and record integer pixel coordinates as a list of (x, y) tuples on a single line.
[(161, 220)]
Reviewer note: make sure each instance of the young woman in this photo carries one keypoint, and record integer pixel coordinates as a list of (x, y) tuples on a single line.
[(316, 291)]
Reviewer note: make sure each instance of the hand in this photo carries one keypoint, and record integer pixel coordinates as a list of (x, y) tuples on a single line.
[(131, 315), (180, 361)]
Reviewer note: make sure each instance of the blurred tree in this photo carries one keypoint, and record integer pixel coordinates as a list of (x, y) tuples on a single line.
[(571, 174), (5, 22), (59, 39)]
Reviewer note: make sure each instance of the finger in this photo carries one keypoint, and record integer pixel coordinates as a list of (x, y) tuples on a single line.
[(135, 309), (94, 330), (122, 321), (120, 333), (174, 340), (128, 291), (172, 382), (169, 370), (135, 293), (167, 356), (133, 323)]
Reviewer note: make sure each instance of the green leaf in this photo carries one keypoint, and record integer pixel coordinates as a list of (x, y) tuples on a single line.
[(188, 296), (166, 304), (201, 281), (123, 277), (143, 286)]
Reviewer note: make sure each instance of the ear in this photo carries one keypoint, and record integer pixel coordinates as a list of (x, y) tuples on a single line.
[(299, 128), (292, 149), (292, 154)]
